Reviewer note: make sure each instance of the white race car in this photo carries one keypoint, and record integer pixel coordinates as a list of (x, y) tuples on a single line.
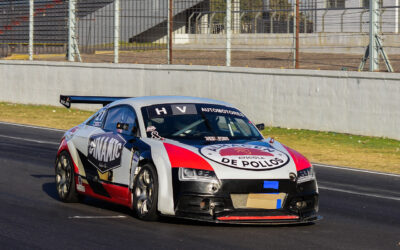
[(186, 157)]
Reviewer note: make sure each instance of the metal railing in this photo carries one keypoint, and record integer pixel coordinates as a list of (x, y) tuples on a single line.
[(249, 33)]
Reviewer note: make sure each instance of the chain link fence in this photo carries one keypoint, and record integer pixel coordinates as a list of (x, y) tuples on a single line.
[(333, 34)]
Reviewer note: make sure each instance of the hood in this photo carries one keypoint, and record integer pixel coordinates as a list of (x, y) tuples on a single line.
[(263, 159)]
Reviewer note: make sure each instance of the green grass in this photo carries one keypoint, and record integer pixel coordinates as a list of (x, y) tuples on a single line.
[(364, 152), (41, 115)]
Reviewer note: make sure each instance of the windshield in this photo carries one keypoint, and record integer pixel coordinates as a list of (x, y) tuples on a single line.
[(198, 122)]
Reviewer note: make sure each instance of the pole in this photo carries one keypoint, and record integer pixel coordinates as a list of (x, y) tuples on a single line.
[(71, 30), (396, 17), (297, 65), (116, 30), (170, 28), (228, 31), (294, 32), (373, 33), (31, 10)]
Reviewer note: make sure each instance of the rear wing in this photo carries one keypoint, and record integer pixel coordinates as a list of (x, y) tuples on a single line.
[(67, 100)]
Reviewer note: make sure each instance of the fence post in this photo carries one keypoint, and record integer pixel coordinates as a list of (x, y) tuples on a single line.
[(228, 31), (296, 58), (272, 22), (31, 27), (341, 20), (170, 31), (71, 30), (73, 49), (373, 33), (237, 19), (116, 30), (396, 17)]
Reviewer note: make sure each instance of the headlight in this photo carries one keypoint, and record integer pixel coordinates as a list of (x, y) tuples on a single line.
[(305, 175), (190, 174)]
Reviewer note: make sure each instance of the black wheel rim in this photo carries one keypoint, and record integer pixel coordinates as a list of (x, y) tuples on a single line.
[(63, 176), (144, 192)]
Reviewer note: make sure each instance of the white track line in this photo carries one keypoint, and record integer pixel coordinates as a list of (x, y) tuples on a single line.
[(355, 170), (359, 193), (97, 217), (29, 140), (31, 126)]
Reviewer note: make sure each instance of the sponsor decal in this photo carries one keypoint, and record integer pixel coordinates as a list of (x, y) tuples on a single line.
[(135, 157), (173, 109), (98, 121), (66, 102), (104, 151), (216, 138), (154, 133), (221, 111), (79, 186), (244, 156)]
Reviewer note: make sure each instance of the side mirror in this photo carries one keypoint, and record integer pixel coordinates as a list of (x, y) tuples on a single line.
[(123, 126), (260, 126)]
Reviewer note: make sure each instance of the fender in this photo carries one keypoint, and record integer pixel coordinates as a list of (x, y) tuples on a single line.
[(159, 157)]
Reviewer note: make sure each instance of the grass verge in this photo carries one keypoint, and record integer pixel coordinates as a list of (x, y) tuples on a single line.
[(40, 115), (356, 151), (364, 152)]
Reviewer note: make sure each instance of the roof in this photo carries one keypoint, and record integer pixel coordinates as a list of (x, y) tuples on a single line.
[(139, 102)]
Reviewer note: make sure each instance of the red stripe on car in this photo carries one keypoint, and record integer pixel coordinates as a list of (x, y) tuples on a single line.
[(184, 158), (119, 195), (280, 217), (300, 161), (64, 147)]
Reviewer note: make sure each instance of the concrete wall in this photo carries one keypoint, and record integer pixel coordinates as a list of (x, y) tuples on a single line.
[(351, 102), (349, 43)]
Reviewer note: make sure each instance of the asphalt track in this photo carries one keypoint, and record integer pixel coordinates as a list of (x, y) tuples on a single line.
[(361, 210)]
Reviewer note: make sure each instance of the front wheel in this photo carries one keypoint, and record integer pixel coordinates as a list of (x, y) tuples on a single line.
[(65, 179), (145, 193)]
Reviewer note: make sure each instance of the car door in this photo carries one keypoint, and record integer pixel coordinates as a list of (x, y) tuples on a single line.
[(93, 126), (110, 153)]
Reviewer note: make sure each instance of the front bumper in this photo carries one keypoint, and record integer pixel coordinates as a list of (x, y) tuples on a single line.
[(198, 200)]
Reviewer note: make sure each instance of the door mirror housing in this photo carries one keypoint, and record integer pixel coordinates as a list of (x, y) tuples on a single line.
[(260, 126), (123, 126)]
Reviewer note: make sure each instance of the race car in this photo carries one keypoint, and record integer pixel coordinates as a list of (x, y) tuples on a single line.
[(185, 157)]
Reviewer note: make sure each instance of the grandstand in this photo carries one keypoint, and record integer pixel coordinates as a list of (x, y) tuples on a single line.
[(143, 20)]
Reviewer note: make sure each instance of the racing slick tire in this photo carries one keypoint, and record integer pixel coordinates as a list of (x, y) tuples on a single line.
[(65, 179), (145, 193)]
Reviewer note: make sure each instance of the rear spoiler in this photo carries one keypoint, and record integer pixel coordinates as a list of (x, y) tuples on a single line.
[(67, 100)]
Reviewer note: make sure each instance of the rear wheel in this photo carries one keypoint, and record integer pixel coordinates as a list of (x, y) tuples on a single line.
[(145, 193), (65, 179)]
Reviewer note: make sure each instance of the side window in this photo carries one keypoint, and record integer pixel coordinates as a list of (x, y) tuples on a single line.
[(243, 127), (98, 118), (120, 120)]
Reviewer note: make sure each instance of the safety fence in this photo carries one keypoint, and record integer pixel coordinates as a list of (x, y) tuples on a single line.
[(313, 34)]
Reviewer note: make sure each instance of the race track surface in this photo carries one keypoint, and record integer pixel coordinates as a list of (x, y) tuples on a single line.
[(361, 210)]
